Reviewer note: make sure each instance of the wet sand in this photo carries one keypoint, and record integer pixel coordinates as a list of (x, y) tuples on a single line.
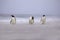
[(48, 31)]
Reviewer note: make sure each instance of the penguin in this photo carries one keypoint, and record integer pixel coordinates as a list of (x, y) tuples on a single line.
[(43, 19), (13, 20), (31, 20)]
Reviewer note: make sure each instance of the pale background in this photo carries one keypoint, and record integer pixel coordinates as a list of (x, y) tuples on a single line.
[(30, 7)]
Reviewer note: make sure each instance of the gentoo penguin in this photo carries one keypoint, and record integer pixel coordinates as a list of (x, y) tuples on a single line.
[(43, 19), (13, 20), (31, 20)]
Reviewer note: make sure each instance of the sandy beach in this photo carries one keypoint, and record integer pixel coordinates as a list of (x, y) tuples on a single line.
[(48, 31)]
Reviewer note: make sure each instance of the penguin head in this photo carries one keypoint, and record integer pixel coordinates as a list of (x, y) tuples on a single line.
[(32, 17), (12, 16), (43, 15)]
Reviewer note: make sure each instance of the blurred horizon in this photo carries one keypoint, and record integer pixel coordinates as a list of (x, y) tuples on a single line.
[(27, 15)]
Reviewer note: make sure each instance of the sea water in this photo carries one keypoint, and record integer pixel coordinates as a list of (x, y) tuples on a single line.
[(26, 19)]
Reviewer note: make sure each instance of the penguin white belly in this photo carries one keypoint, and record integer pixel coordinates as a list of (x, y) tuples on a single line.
[(13, 21), (43, 20), (31, 21)]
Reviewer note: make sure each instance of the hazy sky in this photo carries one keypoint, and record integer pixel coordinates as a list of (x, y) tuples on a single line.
[(48, 7)]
